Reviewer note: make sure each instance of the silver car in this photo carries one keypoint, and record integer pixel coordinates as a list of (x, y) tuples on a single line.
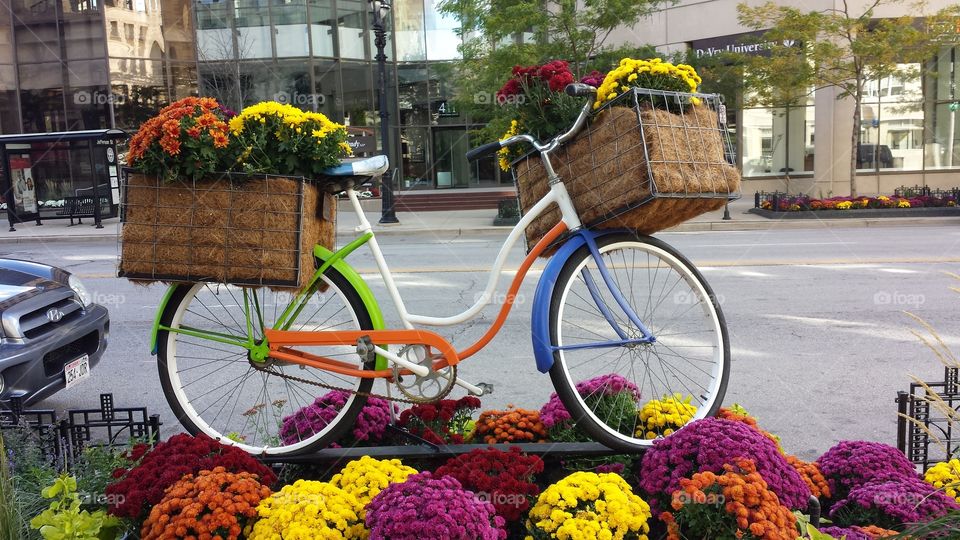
[(51, 333)]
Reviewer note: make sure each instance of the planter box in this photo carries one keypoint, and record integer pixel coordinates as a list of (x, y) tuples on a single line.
[(637, 167), (251, 230), (861, 213)]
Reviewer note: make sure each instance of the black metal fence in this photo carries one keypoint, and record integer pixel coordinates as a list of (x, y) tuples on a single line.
[(926, 432), (62, 439)]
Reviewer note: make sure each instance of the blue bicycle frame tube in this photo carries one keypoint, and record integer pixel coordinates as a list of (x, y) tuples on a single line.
[(543, 350)]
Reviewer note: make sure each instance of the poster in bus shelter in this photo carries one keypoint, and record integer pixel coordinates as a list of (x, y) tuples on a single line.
[(24, 189)]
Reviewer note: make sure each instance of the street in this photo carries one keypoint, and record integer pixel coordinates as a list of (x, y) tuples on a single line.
[(820, 340)]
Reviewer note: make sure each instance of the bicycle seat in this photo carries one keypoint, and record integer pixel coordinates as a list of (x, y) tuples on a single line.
[(371, 166)]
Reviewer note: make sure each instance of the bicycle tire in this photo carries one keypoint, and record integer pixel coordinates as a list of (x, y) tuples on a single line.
[(193, 420), (566, 373)]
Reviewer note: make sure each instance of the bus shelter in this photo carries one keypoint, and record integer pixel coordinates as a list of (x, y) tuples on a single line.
[(61, 175)]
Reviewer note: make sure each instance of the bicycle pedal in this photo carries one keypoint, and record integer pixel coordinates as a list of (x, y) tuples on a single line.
[(487, 388)]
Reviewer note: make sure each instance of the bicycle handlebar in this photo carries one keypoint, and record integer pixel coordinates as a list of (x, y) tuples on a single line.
[(482, 151), (573, 90)]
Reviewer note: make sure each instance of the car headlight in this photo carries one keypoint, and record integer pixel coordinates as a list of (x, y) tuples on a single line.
[(83, 295)]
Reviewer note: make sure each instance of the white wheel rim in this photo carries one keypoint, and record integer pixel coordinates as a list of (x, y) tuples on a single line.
[(716, 376), (184, 402)]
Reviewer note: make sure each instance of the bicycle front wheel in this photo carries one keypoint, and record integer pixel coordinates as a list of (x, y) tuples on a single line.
[(216, 386), (627, 395)]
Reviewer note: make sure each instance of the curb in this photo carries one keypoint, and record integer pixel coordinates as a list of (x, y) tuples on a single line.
[(693, 226), (56, 238)]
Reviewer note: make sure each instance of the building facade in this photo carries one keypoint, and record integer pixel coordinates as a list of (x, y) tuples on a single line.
[(908, 133), (88, 64)]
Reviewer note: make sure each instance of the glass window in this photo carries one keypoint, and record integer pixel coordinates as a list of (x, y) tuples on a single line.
[(942, 136), (412, 95), (321, 27), (415, 153), (37, 43), (358, 97), (9, 108), (759, 143), (326, 86), (254, 38), (135, 100), (891, 124), (451, 167), (83, 37), (292, 83), (211, 16), (409, 28), (442, 104), (351, 24), (442, 38), (6, 38), (221, 80), (290, 28), (183, 80)]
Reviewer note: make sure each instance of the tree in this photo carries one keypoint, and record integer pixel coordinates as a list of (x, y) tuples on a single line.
[(836, 48), (500, 34)]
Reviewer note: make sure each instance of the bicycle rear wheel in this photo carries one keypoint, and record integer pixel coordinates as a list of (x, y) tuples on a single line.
[(688, 362), (215, 387)]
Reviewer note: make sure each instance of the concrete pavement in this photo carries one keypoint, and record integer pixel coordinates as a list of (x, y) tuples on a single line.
[(460, 222)]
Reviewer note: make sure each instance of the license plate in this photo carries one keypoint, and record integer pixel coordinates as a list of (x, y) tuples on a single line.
[(76, 371)]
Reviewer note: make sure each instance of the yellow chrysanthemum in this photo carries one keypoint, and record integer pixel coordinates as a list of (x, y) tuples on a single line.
[(364, 478), (589, 505), (664, 416)]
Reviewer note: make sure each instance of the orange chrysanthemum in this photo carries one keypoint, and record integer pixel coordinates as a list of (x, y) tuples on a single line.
[(739, 496), (511, 425), (212, 504), (810, 472)]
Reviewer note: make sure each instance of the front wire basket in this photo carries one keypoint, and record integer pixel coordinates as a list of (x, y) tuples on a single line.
[(648, 160)]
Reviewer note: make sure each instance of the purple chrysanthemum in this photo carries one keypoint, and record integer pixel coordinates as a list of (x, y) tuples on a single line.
[(852, 533), (554, 414), (369, 427), (425, 506), (892, 503), (709, 444), (850, 464)]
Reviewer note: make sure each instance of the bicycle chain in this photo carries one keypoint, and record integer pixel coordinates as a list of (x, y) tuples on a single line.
[(357, 392)]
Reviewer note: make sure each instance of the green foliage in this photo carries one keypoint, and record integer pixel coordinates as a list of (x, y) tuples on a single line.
[(834, 48), (94, 470), (8, 510), (65, 520), (945, 526), (502, 34), (30, 473)]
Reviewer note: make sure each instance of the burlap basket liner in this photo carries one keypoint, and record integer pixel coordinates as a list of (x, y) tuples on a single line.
[(608, 176), (254, 230)]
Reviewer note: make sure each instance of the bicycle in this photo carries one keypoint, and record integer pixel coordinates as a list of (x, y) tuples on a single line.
[(245, 365)]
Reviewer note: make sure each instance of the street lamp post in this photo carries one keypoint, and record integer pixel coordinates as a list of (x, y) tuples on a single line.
[(380, 9)]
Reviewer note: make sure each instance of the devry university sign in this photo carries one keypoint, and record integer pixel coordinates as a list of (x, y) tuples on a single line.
[(749, 43)]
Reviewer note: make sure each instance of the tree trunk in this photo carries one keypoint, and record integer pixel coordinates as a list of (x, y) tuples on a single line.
[(854, 141)]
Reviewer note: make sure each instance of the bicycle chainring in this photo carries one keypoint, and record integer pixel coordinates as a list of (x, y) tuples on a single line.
[(429, 388)]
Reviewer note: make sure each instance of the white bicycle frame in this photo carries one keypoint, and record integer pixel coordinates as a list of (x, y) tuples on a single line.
[(558, 194)]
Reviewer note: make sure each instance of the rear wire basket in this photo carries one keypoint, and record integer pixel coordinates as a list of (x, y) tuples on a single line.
[(648, 160), (250, 230)]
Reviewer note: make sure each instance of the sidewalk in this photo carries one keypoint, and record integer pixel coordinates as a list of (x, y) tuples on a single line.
[(462, 222)]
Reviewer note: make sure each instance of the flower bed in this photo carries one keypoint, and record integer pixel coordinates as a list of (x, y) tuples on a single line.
[(720, 477)]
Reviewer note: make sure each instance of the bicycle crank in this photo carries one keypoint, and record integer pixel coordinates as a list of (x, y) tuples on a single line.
[(428, 388)]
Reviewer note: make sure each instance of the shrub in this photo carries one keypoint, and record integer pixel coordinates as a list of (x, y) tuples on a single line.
[(364, 478), (892, 503), (212, 504), (308, 509), (427, 507), (506, 479), (708, 445), (143, 485), (369, 427), (589, 505), (849, 464), (734, 504)]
